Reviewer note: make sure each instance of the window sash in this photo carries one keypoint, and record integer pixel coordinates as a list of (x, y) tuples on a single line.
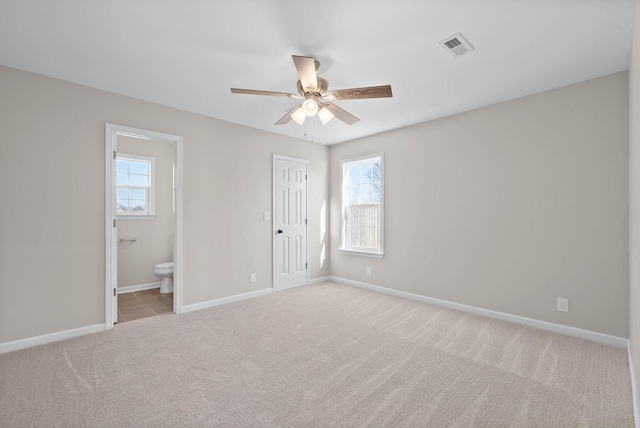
[(133, 195), (363, 227)]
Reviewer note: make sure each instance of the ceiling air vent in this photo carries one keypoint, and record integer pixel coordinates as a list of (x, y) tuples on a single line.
[(456, 45)]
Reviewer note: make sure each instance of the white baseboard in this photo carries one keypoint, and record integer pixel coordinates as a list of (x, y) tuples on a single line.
[(139, 287), (516, 319), (49, 338), (225, 300), (318, 280), (67, 334), (634, 391)]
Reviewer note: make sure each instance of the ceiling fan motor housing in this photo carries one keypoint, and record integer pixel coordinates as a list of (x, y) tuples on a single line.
[(323, 87)]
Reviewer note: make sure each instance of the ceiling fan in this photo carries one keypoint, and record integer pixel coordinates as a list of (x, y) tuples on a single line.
[(315, 92)]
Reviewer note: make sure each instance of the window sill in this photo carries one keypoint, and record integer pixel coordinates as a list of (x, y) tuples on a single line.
[(361, 253), (135, 217)]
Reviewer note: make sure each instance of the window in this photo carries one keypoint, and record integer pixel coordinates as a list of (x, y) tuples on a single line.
[(362, 205), (135, 191)]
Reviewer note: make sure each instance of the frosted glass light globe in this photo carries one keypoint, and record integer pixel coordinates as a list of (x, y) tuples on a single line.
[(310, 107)]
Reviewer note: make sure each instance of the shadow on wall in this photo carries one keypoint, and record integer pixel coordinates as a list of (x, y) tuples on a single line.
[(323, 232)]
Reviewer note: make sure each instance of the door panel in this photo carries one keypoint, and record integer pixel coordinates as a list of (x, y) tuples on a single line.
[(290, 224)]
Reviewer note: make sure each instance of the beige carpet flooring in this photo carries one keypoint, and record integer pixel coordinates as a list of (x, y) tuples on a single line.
[(326, 355)]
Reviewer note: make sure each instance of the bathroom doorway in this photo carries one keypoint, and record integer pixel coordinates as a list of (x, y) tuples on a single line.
[(144, 224)]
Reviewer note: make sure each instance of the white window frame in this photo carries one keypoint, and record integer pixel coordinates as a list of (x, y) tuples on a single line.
[(151, 202), (344, 189)]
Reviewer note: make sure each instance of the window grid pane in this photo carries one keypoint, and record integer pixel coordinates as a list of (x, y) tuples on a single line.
[(138, 180), (122, 179), (138, 168), (122, 166), (138, 194)]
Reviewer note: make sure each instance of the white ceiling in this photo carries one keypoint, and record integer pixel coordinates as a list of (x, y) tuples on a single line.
[(188, 53)]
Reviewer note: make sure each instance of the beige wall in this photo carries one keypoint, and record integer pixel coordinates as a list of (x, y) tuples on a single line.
[(154, 236), (52, 222), (634, 194), (507, 207)]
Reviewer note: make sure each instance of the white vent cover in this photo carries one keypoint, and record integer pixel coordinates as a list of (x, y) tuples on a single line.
[(456, 45)]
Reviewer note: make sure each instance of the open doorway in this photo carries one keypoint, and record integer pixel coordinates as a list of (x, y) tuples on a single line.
[(144, 224)]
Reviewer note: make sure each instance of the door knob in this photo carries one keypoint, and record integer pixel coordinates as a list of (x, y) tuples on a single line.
[(279, 230)]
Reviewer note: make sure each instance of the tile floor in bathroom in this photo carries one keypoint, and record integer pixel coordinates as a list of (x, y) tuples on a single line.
[(142, 304)]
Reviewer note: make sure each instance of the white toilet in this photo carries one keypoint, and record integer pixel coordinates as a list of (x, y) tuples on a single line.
[(164, 271)]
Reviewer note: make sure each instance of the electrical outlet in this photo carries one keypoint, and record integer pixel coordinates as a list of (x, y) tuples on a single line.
[(368, 271), (265, 215), (252, 277), (563, 305)]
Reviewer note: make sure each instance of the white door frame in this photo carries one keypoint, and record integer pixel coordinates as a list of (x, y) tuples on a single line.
[(111, 262), (273, 216)]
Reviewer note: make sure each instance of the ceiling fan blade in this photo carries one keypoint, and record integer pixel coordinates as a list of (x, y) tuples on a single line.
[(284, 119), (360, 93), (341, 114), (269, 93), (287, 117), (306, 67)]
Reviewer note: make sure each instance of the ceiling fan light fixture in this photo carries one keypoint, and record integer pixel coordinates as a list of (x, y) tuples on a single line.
[(310, 107), (325, 115), (299, 116)]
